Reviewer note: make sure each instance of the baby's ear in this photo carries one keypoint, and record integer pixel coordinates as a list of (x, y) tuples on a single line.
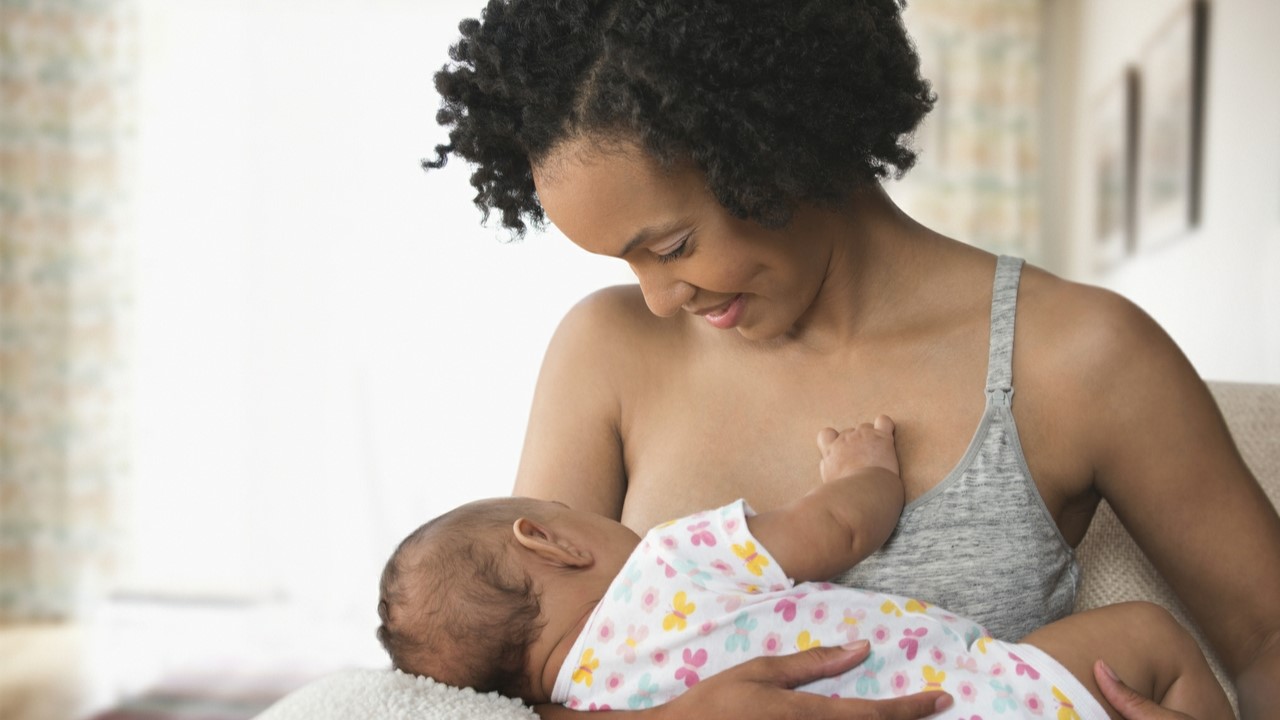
[(543, 542)]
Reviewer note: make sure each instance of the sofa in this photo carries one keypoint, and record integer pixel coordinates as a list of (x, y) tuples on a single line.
[(1114, 570)]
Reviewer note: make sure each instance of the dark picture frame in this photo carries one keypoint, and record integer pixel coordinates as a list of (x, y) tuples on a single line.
[(1115, 135), (1171, 127)]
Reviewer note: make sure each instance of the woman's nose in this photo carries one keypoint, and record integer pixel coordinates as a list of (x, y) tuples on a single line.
[(662, 293)]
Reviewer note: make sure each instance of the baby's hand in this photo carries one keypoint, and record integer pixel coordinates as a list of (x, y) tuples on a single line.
[(868, 445)]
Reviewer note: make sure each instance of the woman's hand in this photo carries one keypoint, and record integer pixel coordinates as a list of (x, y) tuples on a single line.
[(762, 688), (1127, 701)]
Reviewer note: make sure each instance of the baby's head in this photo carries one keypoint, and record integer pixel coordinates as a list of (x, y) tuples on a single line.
[(456, 603)]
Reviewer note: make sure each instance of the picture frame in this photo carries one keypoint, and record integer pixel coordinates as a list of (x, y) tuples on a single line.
[(1170, 127), (1115, 135)]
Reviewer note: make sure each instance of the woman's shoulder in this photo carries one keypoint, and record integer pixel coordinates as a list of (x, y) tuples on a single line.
[(617, 312), (613, 325), (1080, 329)]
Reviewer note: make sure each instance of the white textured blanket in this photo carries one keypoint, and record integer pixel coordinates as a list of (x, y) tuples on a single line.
[(392, 695)]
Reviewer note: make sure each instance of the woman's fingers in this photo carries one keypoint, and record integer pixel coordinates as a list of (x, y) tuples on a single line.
[(797, 669), (790, 671), (1127, 701)]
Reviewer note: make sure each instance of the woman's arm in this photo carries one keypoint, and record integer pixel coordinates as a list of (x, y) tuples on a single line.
[(1164, 460), (761, 689), (573, 448)]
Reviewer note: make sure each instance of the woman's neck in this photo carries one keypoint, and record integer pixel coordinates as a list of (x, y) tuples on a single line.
[(875, 273)]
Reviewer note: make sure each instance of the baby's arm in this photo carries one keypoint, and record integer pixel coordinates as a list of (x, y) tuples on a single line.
[(849, 516)]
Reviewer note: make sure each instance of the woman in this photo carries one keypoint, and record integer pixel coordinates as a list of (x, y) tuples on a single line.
[(731, 153)]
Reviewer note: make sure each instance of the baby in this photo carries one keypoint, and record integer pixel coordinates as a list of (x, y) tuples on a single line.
[(550, 604)]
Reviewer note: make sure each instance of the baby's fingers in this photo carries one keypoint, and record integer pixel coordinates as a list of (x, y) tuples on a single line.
[(884, 423), (826, 436)]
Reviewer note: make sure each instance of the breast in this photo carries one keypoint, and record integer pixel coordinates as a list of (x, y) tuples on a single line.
[(982, 544)]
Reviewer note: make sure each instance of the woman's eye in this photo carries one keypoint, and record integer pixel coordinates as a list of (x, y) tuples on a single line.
[(675, 252)]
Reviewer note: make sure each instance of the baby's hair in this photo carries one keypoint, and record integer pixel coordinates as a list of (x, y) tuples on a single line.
[(778, 102), (459, 611)]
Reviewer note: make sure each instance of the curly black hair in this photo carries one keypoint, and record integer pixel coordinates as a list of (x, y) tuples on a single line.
[(778, 102)]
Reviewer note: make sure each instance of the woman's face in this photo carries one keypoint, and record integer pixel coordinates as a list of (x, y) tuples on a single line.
[(689, 254)]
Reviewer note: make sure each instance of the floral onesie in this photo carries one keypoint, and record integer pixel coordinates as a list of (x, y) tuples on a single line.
[(700, 595)]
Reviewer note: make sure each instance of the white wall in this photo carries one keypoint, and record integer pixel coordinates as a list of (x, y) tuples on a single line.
[(330, 348), (1216, 290)]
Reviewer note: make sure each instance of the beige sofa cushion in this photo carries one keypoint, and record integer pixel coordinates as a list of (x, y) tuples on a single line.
[(1115, 570)]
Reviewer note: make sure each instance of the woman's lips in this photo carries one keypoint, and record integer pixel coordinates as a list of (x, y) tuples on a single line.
[(727, 315)]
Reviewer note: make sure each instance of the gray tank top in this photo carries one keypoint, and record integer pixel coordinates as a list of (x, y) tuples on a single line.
[(982, 544)]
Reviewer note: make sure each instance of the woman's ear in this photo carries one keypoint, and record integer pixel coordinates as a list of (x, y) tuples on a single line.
[(543, 542)]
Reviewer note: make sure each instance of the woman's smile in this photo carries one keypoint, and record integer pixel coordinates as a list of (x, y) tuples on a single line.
[(726, 315)]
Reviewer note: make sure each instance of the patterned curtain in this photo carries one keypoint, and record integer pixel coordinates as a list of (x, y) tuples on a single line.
[(65, 109), (977, 178)]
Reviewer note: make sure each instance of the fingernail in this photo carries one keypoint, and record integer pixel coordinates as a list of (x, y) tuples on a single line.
[(943, 703), (1110, 673), (857, 645)]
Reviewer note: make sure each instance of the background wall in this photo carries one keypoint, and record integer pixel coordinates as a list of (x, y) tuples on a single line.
[(1216, 290)]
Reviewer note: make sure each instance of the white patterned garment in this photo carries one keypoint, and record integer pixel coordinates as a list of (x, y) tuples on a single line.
[(700, 595)]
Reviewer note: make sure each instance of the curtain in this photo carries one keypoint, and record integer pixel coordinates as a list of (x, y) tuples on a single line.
[(977, 178), (65, 109)]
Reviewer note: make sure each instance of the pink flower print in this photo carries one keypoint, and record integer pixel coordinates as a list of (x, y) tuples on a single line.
[(911, 641), (1022, 668), (699, 535), (722, 567), (819, 613), (707, 628), (730, 602), (850, 623), (997, 670), (939, 657), (649, 600), (574, 702), (825, 586), (880, 635), (598, 708), (787, 607), (1034, 704), (772, 644), (900, 683), (669, 543), (627, 648), (614, 681), (606, 633), (966, 692), (731, 525), (689, 671), (659, 657)]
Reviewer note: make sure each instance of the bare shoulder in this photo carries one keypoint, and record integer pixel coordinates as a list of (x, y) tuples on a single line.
[(613, 313), (1092, 341)]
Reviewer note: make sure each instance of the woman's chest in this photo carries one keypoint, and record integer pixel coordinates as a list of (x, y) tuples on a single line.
[(749, 431)]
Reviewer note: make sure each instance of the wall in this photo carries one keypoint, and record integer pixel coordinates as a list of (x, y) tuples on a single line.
[(1214, 290)]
